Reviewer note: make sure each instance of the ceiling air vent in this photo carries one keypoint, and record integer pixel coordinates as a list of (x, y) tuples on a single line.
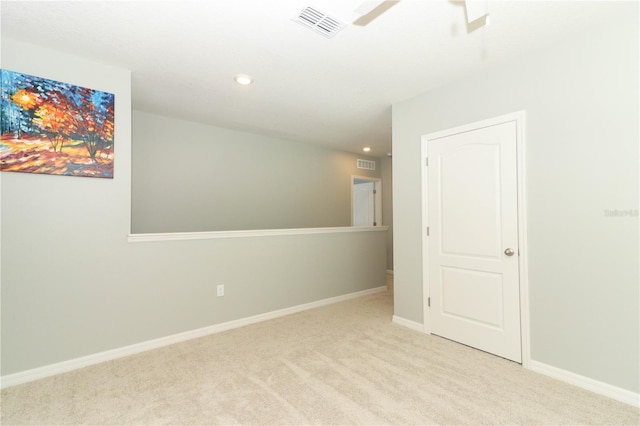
[(366, 164), (319, 22)]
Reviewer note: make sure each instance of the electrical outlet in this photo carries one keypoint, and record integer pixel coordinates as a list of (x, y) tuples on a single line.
[(221, 290)]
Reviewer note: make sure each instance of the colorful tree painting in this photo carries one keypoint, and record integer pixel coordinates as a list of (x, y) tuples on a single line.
[(57, 128)]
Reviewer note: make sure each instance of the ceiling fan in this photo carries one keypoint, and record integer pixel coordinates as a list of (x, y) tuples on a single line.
[(352, 11), (337, 14)]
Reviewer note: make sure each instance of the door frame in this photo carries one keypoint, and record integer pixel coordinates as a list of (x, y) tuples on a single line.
[(519, 118), (377, 198)]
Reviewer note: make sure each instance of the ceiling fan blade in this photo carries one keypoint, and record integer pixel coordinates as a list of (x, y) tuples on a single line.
[(476, 9), (376, 11), (367, 6), (350, 11)]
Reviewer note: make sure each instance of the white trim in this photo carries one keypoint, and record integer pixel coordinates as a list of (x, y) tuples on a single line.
[(519, 118), (426, 289), (184, 236), (601, 388), (416, 326), (74, 364), (523, 258)]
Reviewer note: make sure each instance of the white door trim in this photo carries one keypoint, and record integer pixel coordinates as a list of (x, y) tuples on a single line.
[(519, 118)]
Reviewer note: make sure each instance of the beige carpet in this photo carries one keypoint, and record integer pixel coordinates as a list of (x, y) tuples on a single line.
[(342, 364)]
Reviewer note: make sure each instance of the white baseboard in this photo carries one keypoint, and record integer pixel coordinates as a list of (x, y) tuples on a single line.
[(85, 361), (587, 383), (409, 324)]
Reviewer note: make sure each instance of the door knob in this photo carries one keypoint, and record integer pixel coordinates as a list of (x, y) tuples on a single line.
[(509, 252)]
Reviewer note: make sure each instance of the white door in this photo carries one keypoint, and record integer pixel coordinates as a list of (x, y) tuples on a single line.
[(473, 239)]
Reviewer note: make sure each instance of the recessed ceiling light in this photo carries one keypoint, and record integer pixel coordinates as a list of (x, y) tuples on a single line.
[(243, 79), (366, 149)]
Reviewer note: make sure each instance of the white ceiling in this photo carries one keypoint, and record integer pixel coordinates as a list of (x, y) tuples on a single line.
[(336, 92)]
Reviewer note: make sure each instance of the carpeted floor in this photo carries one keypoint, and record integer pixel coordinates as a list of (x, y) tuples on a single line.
[(345, 363)]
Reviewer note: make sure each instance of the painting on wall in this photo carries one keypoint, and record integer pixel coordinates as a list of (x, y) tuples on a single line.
[(55, 128)]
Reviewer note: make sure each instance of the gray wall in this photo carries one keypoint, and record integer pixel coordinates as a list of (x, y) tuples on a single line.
[(193, 177), (581, 103), (73, 286)]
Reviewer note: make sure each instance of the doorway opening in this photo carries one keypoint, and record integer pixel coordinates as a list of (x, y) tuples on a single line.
[(366, 201)]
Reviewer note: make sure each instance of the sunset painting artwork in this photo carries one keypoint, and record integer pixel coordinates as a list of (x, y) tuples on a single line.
[(55, 128)]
